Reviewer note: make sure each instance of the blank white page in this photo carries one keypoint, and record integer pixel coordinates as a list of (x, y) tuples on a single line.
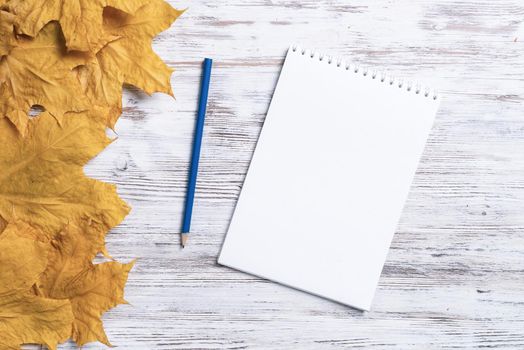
[(329, 177)]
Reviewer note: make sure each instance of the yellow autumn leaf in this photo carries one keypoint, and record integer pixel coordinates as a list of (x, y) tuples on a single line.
[(42, 180), (39, 72), (24, 317), (3, 224), (129, 58), (8, 40), (81, 20), (92, 289), (55, 291), (22, 257), (103, 90)]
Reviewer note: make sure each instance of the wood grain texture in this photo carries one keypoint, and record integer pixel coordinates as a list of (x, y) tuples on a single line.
[(454, 277)]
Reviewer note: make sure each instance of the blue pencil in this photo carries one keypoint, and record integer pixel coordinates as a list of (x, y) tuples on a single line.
[(195, 157)]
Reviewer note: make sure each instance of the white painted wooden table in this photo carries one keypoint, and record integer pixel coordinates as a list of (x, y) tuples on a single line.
[(454, 277)]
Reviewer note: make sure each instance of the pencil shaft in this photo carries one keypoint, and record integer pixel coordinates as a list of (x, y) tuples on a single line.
[(195, 157)]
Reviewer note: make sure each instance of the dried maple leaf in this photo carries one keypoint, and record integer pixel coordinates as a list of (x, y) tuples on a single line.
[(8, 39), (42, 181), (129, 58), (24, 317), (103, 89), (41, 177), (92, 289), (81, 20), (3, 224), (39, 72)]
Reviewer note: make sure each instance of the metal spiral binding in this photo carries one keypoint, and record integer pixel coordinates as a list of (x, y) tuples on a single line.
[(380, 76)]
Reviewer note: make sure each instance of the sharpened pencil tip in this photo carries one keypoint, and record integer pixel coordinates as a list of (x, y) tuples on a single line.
[(183, 239)]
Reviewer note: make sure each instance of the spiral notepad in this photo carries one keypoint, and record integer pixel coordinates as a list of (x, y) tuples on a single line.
[(329, 177)]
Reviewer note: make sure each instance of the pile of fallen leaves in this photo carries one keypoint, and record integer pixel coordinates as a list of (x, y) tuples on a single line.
[(70, 58)]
